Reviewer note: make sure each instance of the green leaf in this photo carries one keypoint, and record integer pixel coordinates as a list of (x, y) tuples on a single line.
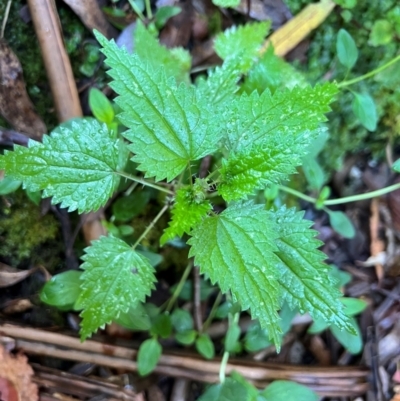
[(100, 105), (115, 279), (169, 126), (381, 33), (364, 108), (268, 147), (188, 210), (152, 53), (182, 320), (163, 14), (236, 249), (396, 165), (318, 326), (128, 207), (341, 223), (9, 185), (352, 343), (186, 337), (283, 390), (245, 40), (226, 3), (76, 165), (353, 306), (229, 390), (148, 356), (346, 49), (205, 346), (136, 318), (161, 326), (62, 290), (272, 72), (305, 279), (313, 172), (256, 338)]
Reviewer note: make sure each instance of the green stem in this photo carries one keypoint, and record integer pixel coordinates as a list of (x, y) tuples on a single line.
[(148, 9), (179, 287), (137, 10), (369, 74), (150, 226), (347, 199), (222, 367), (212, 312), (144, 182)]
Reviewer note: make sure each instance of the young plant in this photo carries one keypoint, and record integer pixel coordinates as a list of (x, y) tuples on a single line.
[(262, 257)]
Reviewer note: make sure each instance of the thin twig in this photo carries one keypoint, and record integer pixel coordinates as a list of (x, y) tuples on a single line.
[(5, 18)]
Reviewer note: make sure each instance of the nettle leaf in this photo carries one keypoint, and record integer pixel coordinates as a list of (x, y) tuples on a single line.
[(304, 276), (236, 249), (245, 40), (149, 50), (186, 213), (169, 125), (268, 147), (76, 165), (115, 279)]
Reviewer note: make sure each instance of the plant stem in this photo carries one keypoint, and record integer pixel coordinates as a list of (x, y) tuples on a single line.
[(179, 287), (369, 74), (212, 312), (136, 10), (347, 199), (148, 9), (222, 367), (150, 226), (5, 18), (144, 182)]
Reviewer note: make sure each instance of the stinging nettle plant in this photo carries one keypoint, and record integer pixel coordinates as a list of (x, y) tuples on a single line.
[(262, 257)]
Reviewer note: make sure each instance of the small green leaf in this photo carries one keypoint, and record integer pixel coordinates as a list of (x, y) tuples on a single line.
[(186, 337), (236, 249), (128, 207), (396, 165), (381, 33), (162, 326), (353, 306), (346, 49), (115, 279), (318, 326), (352, 342), (313, 172), (205, 346), (76, 165), (9, 185), (148, 356), (226, 3), (62, 290), (186, 213), (364, 108), (341, 223), (182, 320), (283, 390), (100, 105), (256, 338), (163, 14), (229, 390), (245, 40), (34, 196), (232, 337), (340, 276), (136, 318)]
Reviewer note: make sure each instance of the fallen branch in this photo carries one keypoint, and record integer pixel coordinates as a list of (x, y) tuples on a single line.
[(327, 381)]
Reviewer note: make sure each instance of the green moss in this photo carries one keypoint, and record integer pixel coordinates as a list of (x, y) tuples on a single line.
[(23, 230)]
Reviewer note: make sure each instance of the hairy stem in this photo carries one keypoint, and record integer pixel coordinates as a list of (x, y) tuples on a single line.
[(150, 226), (144, 182), (369, 74), (347, 199)]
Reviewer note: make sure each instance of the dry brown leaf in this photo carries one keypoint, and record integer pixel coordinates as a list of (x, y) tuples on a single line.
[(15, 376), (17, 306), (15, 105), (10, 276), (377, 246)]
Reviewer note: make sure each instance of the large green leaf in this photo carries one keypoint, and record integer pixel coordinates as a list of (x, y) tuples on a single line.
[(236, 249), (115, 279), (268, 135), (76, 165), (169, 126), (304, 277)]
